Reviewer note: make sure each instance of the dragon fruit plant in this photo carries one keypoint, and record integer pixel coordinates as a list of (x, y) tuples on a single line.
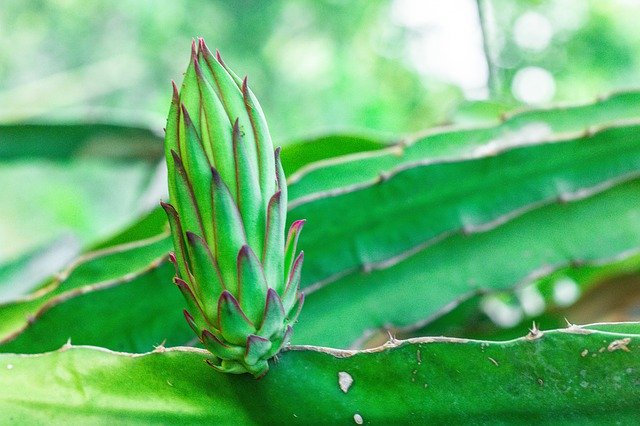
[(228, 194), (436, 232)]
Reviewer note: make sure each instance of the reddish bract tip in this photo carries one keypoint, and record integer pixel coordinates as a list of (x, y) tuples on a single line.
[(207, 335), (272, 297), (176, 95), (169, 209), (190, 321), (185, 115), (245, 86), (174, 262), (191, 237), (275, 198), (182, 284), (194, 52), (255, 339), (219, 58), (217, 179), (201, 44), (236, 130), (187, 316), (228, 298), (196, 65), (176, 159), (298, 224), (204, 50), (295, 269), (244, 252)]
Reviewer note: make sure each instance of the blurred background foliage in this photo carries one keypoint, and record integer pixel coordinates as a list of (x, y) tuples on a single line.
[(388, 67)]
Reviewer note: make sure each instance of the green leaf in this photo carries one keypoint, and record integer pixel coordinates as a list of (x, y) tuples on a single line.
[(541, 301), (299, 153), (575, 375), (417, 206), (602, 226), (95, 270), (62, 142), (133, 315), (147, 226), (446, 143)]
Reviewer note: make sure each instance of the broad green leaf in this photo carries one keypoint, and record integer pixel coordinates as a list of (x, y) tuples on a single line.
[(149, 225), (297, 154), (100, 269), (367, 226), (517, 129), (117, 315), (569, 376), (480, 113), (62, 142), (424, 282), (549, 302)]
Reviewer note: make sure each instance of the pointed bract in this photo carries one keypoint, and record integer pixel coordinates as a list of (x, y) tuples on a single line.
[(257, 348), (249, 196), (273, 252), (291, 245), (273, 315), (293, 284), (252, 285), (207, 278), (232, 322)]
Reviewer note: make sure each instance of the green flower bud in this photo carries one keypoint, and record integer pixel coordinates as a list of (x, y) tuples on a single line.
[(238, 274)]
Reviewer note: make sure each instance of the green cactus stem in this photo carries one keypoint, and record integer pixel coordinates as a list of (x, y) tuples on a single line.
[(239, 276)]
